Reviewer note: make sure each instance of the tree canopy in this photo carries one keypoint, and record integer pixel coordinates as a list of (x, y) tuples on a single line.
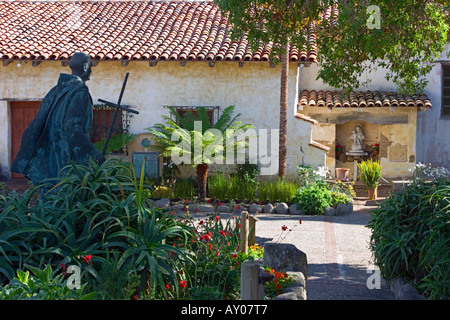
[(351, 36)]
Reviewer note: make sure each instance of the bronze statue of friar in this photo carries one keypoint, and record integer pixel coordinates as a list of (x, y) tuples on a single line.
[(60, 130)]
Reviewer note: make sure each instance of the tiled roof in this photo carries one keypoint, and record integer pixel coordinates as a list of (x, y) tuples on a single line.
[(124, 30), (361, 99)]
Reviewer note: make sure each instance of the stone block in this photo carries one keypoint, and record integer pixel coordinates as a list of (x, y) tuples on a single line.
[(285, 257), (298, 287), (404, 291), (282, 208), (237, 209), (162, 203), (223, 209), (330, 211), (268, 208), (343, 209), (293, 210), (254, 208), (205, 208), (286, 296)]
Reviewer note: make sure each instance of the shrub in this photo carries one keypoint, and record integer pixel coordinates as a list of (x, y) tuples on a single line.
[(313, 199), (162, 192), (281, 190), (411, 237), (280, 282), (184, 188), (41, 285)]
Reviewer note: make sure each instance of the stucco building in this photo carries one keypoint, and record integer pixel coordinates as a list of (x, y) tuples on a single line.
[(178, 54)]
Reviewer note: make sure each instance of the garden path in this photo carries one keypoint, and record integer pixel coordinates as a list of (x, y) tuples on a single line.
[(340, 262)]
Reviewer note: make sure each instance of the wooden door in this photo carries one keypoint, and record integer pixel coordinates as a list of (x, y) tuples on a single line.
[(22, 113)]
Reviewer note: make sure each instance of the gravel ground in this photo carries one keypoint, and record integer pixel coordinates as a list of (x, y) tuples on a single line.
[(340, 263)]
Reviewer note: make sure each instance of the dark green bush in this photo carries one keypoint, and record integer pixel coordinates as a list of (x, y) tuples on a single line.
[(411, 237), (313, 199)]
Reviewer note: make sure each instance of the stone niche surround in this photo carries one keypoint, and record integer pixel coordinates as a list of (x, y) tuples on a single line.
[(393, 128)]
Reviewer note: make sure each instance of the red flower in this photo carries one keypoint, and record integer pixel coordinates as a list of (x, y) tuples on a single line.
[(196, 210), (238, 207), (234, 255), (208, 201), (186, 201), (217, 218), (87, 259), (278, 286), (201, 222), (222, 233), (219, 203), (63, 266), (238, 225), (210, 246), (182, 284), (167, 287), (284, 228)]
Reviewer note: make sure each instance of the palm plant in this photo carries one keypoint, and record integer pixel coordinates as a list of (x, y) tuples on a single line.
[(199, 146)]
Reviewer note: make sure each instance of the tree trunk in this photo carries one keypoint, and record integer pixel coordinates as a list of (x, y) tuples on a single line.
[(283, 110), (202, 177)]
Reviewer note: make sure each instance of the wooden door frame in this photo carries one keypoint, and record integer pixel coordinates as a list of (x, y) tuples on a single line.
[(11, 105)]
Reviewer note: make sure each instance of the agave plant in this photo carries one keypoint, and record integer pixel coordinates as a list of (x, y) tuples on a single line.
[(200, 146), (147, 246)]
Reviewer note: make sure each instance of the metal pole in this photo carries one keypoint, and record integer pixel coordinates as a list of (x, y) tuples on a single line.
[(105, 147)]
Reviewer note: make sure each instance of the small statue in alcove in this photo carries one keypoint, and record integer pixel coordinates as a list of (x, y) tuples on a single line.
[(357, 136)]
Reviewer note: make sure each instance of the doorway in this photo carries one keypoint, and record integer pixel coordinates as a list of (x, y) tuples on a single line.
[(22, 113)]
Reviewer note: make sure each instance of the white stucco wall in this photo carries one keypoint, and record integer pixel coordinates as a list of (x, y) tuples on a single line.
[(254, 89), (4, 140), (433, 131)]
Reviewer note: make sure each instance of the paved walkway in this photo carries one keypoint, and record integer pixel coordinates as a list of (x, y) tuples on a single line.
[(340, 263)]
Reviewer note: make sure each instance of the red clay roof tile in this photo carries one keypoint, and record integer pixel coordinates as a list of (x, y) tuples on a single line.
[(361, 99), (125, 30)]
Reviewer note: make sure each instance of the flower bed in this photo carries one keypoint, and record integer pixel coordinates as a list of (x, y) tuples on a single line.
[(99, 222)]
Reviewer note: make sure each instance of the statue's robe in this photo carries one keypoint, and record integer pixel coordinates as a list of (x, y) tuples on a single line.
[(58, 133)]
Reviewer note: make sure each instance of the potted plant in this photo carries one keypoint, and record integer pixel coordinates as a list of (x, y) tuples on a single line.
[(370, 174), (338, 150), (376, 148)]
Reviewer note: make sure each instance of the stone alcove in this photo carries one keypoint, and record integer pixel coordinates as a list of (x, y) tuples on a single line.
[(343, 132), (393, 128)]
